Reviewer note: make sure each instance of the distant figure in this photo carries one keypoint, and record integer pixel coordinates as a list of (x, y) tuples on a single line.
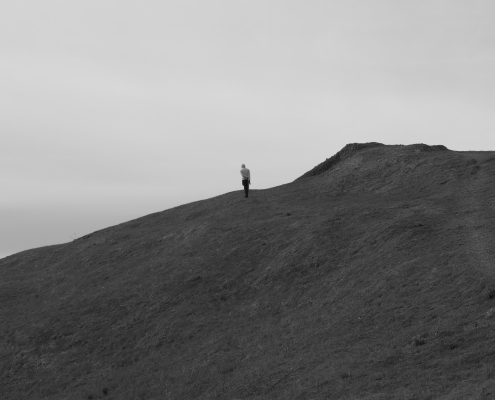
[(246, 179)]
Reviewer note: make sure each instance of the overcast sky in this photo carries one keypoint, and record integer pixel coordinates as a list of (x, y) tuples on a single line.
[(111, 110)]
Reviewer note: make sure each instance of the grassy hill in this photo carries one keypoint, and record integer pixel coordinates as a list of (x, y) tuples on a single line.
[(370, 277)]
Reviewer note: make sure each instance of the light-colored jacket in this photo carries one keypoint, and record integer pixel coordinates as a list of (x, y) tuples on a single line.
[(246, 174)]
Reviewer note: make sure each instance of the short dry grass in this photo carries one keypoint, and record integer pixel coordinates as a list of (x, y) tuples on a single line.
[(371, 280)]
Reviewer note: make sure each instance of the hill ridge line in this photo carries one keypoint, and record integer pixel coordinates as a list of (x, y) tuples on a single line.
[(352, 148)]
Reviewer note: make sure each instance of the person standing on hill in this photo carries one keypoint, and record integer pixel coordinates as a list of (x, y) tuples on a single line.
[(246, 179)]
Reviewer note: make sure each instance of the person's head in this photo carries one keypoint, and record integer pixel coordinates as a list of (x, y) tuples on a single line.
[(243, 166)]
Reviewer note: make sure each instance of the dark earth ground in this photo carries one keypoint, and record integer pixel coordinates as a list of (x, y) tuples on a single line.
[(372, 277)]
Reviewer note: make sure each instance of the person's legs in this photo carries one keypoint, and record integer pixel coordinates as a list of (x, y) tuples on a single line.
[(245, 183)]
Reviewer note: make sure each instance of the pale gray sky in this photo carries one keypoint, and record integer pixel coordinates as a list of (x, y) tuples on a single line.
[(110, 110)]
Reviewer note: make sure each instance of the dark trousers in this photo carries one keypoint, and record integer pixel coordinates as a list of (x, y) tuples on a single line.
[(245, 183)]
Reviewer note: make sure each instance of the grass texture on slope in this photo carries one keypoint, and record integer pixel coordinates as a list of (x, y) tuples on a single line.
[(371, 280)]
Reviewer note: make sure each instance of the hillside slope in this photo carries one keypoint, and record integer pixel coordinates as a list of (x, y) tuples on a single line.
[(372, 279)]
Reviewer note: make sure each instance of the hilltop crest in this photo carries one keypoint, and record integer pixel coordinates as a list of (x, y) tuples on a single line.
[(352, 148)]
